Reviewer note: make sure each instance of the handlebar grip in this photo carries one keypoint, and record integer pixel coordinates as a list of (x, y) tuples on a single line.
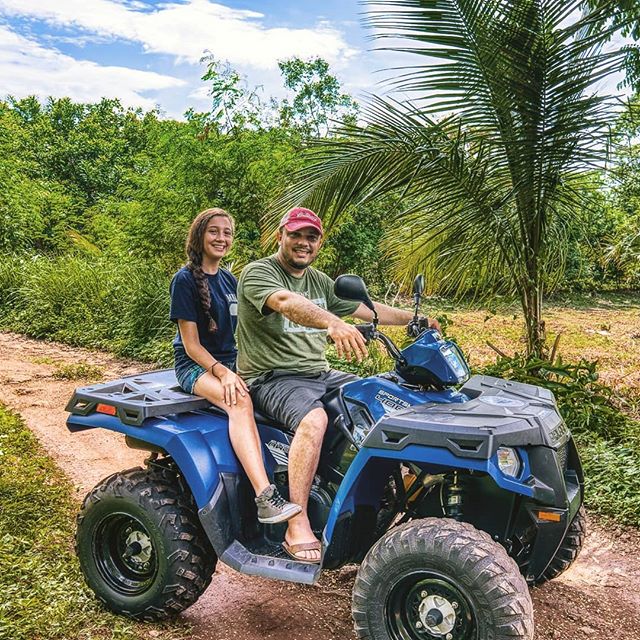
[(367, 330)]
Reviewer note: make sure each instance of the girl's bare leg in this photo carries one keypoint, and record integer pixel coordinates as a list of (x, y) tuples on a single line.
[(243, 431)]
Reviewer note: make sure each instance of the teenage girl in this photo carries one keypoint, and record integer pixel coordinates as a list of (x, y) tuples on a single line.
[(204, 305)]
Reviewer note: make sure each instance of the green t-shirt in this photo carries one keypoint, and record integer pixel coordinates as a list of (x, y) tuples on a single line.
[(266, 339)]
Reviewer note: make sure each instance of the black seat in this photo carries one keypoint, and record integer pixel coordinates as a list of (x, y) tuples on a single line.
[(261, 418), (334, 405)]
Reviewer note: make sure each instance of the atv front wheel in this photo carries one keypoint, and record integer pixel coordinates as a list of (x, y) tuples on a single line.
[(569, 549), (140, 544), (439, 578)]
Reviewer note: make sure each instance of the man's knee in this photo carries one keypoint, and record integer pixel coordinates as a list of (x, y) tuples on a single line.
[(314, 424)]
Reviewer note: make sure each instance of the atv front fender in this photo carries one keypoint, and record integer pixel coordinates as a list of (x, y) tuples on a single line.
[(371, 467)]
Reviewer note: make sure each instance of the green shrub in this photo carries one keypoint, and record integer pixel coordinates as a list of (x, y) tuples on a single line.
[(143, 329), (43, 594), (12, 269), (66, 298), (78, 371), (120, 305), (612, 479)]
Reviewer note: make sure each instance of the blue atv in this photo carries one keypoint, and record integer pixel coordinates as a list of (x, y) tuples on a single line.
[(450, 492)]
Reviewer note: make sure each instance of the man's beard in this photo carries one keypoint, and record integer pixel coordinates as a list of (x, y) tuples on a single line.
[(296, 263)]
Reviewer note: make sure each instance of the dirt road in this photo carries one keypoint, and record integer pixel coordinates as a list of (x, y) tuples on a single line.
[(597, 599)]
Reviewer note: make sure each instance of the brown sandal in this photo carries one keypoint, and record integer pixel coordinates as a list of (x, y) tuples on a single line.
[(293, 549)]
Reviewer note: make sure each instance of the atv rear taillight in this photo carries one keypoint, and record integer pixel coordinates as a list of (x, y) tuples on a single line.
[(106, 408)]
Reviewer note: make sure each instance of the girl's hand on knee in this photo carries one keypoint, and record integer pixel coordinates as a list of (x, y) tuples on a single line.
[(232, 384)]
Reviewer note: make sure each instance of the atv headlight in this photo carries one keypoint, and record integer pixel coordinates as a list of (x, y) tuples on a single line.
[(509, 462)]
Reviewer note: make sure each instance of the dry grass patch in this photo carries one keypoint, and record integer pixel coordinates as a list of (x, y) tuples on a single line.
[(607, 331)]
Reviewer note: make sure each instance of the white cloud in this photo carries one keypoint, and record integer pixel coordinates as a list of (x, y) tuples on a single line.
[(188, 29), (27, 68)]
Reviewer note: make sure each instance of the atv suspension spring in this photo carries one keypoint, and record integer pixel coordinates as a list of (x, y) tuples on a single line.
[(453, 494)]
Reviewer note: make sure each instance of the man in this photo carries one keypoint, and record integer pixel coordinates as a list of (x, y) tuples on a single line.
[(286, 310)]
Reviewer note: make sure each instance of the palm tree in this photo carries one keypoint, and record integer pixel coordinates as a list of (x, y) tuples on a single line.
[(487, 158)]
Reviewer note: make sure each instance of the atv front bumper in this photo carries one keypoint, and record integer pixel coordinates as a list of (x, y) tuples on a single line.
[(557, 497)]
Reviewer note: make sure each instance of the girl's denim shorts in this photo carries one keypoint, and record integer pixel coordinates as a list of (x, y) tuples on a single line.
[(188, 373)]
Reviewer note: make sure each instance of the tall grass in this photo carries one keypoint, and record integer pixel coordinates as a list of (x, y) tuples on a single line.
[(119, 305), (43, 596)]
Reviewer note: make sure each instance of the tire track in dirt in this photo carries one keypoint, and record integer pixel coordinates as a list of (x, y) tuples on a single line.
[(598, 598)]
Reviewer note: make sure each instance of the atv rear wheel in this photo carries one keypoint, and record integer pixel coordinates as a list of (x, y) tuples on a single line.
[(438, 578), (569, 549), (140, 544)]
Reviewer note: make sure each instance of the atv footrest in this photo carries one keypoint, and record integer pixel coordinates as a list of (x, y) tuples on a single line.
[(262, 547), (241, 559)]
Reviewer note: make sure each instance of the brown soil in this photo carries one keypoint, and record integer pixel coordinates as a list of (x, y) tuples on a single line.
[(598, 598)]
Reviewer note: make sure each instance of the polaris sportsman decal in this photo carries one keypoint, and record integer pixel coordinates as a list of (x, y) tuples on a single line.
[(279, 451), (390, 402), (560, 433)]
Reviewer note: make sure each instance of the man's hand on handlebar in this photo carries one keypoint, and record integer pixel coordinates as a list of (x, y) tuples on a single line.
[(348, 340), (416, 327)]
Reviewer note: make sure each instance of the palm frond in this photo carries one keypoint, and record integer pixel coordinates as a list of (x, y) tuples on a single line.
[(484, 160)]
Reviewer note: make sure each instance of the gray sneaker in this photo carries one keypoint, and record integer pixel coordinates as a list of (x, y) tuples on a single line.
[(273, 508)]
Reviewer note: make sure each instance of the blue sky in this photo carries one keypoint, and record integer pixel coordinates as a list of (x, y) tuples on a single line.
[(147, 53)]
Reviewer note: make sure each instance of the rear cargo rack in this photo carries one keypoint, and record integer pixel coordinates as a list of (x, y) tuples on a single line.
[(136, 398)]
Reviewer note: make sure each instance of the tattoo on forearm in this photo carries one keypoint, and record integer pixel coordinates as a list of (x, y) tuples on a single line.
[(306, 313)]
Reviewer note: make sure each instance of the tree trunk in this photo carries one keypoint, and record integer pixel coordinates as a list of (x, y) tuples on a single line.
[(531, 298)]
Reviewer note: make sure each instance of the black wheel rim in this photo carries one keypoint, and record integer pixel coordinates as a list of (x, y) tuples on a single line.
[(124, 554), (424, 604)]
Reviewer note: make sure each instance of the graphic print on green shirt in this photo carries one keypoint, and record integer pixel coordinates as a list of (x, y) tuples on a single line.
[(266, 339)]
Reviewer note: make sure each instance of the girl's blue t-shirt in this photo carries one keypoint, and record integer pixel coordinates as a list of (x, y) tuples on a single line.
[(186, 305)]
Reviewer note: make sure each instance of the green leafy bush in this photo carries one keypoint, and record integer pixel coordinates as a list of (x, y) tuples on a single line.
[(612, 478), (43, 595), (587, 405), (11, 274), (120, 305), (78, 371)]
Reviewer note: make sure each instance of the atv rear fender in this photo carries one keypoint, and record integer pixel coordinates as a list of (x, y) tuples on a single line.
[(198, 443)]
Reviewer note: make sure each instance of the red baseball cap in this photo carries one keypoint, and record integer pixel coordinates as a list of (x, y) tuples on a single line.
[(299, 217)]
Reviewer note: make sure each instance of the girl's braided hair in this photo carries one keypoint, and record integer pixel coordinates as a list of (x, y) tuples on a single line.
[(195, 249)]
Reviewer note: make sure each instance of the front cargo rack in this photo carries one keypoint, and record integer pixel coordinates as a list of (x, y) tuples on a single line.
[(135, 398)]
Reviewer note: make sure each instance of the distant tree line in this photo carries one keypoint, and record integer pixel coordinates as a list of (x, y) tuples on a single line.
[(102, 180)]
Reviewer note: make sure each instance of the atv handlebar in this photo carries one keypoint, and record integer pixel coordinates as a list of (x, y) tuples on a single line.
[(370, 332)]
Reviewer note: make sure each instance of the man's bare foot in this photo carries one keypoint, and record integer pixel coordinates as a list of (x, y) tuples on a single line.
[(305, 551), (300, 542)]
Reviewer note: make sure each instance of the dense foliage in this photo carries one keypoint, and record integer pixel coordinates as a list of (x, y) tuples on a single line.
[(493, 151), (99, 180), (103, 180)]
